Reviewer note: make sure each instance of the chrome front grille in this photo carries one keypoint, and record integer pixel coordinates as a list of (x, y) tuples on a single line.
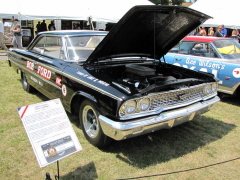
[(176, 98)]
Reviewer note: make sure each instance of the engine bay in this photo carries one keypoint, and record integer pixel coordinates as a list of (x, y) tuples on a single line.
[(147, 78)]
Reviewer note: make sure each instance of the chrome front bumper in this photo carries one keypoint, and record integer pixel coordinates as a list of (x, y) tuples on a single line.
[(165, 120)]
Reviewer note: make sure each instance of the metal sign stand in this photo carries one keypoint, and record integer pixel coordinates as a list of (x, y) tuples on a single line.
[(48, 177)]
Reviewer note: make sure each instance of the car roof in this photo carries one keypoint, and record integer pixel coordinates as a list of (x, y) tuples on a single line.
[(202, 38)]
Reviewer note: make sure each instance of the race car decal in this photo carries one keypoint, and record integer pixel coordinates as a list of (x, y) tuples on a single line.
[(44, 72), (58, 81), (30, 65), (64, 90), (93, 78), (36, 81), (209, 64), (236, 72), (205, 63)]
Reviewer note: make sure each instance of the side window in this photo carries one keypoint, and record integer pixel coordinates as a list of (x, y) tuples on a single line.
[(39, 47), (174, 49), (200, 49), (50, 46), (185, 47), (213, 53), (53, 46)]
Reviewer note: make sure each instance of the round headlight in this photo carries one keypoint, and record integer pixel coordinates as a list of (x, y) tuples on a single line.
[(144, 104), (207, 89), (128, 107), (214, 87), (131, 107)]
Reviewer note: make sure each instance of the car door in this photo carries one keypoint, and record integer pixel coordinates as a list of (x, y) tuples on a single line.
[(49, 66), (199, 56), (230, 71), (229, 76)]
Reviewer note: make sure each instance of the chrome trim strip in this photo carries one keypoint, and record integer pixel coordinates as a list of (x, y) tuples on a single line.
[(225, 91), (228, 90), (165, 120)]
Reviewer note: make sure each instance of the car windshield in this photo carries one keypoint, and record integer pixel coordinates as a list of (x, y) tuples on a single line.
[(79, 48), (229, 48)]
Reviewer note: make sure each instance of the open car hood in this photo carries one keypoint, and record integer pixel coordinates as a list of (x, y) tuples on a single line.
[(147, 31)]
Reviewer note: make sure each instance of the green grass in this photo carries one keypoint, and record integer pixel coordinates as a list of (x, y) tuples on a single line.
[(211, 138)]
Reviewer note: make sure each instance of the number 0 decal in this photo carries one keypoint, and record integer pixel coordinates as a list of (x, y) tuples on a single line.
[(64, 90)]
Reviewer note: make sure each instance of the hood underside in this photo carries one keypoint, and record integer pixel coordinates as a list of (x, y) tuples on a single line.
[(148, 31)]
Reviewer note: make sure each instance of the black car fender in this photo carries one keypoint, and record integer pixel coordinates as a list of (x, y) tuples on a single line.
[(77, 98)]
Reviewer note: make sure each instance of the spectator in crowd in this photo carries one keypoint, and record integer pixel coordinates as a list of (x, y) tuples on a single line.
[(51, 26), (2, 45), (218, 33), (224, 31), (210, 31), (43, 26), (204, 31), (17, 38), (38, 27), (201, 33), (235, 35)]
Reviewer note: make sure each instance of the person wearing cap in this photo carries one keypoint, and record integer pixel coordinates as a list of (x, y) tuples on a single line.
[(224, 31), (1, 36), (17, 38)]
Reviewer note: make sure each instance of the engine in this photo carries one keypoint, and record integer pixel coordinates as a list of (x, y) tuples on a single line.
[(142, 77), (145, 79)]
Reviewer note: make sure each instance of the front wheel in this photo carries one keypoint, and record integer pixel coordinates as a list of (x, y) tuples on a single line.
[(89, 122), (26, 86)]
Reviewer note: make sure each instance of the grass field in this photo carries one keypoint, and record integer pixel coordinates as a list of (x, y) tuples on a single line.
[(209, 139)]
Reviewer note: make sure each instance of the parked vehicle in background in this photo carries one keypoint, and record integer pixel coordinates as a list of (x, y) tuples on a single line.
[(219, 56), (112, 81)]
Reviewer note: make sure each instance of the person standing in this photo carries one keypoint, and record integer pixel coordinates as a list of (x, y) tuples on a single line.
[(38, 27), (17, 35), (235, 35), (204, 33), (51, 26), (43, 26), (210, 32), (218, 32), (224, 31), (1, 36), (201, 33)]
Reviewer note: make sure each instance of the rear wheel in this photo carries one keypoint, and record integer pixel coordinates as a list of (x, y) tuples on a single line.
[(90, 125), (26, 86)]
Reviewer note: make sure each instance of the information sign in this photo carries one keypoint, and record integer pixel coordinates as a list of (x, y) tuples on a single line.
[(49, 131)]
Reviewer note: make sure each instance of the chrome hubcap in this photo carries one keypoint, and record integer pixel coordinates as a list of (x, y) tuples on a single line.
[(90, 121)]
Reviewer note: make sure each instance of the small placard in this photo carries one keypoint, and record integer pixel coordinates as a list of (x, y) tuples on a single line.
[(49, 131)]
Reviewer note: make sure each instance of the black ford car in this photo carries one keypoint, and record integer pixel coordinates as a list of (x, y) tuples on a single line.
[(114, 81)]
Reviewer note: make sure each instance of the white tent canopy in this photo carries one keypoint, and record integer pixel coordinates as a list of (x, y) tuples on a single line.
[(98, 10), (222, 11)]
